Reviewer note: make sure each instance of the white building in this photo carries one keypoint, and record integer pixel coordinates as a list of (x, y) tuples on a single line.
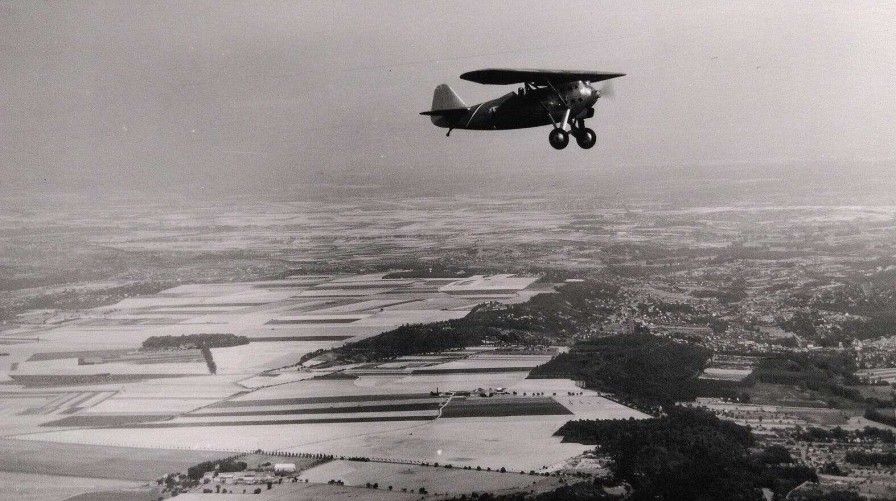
[(284, 468)]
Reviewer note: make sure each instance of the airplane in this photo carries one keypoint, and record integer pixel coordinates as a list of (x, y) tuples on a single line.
[(560, 98)]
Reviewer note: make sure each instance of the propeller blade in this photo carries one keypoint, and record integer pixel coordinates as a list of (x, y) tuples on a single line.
[(607, 90)]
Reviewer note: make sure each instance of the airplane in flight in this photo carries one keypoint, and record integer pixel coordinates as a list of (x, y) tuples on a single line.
[(560, 98)]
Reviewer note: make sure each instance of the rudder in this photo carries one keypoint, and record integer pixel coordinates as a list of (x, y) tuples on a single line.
[(444, 98)]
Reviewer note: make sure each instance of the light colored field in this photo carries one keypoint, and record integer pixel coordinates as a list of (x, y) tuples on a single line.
[(319, 318), (320, 387), (444, 382), (257, 382), (244, 309), (487, 362), (307, 492), (390, 319), (351, 330), (69, 366), (342, 292), (97, 461), (438, 303), (322, 405), (119, 405), (28, 487), (375, 304), (468, 441), (594, 407), (412, 477), (726, 374), (886, 374), (367, 305), (487, 284)]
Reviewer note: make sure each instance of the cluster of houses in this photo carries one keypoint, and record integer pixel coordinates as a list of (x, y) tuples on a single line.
[(478, 392), (271, 473)]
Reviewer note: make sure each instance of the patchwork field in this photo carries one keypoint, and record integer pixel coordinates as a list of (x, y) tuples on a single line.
[(465, 407), (384, 416)]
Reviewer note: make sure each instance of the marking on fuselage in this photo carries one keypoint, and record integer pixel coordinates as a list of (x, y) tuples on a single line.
[(473, 115)]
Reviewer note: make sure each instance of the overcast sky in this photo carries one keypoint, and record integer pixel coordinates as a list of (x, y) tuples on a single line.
[(143, 95)]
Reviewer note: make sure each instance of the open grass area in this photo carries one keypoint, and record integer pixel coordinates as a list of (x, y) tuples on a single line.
[(27, 487), (96, 461), (134, 495), (435, 479)]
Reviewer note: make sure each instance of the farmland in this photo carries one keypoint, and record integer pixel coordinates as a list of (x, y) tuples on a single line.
[(122, 400), (29, 487), (412, 477)]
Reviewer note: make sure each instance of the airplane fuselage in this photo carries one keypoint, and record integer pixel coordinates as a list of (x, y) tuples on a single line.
[(529, 107)]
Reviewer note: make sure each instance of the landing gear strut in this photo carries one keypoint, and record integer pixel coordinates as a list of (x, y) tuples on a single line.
[(559, 138)]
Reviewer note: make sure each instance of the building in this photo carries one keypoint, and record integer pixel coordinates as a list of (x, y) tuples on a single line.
[(284, 468)]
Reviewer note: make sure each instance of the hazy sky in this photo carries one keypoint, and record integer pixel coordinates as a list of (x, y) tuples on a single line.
[(141, 95)]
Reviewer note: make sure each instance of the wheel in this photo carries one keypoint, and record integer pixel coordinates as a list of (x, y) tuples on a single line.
[(586, 138), (558, 138)]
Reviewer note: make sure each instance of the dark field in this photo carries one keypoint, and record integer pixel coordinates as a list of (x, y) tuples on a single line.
[(94, 420), (428, 406), (318, 400), (297, 338), (59, 355), (312, 321), (474, 370), (498, 407), (380, 419)]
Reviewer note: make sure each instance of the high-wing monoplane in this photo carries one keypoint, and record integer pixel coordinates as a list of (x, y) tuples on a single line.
[(560, 98)]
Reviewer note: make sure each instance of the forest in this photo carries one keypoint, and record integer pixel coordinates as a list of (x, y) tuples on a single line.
[(646, 369), (552, 318), (689, 454)]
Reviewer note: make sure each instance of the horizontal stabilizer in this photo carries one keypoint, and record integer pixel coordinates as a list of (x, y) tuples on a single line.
[(447, 107), (445, 113)]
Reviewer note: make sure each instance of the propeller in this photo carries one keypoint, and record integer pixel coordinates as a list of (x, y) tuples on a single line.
[(607, 90)]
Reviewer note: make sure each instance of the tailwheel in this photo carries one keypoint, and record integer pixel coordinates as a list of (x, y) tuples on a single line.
[(586, 138), (558, 138)]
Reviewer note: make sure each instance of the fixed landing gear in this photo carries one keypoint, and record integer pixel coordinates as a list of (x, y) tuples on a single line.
[(558, 138), (586, 138)]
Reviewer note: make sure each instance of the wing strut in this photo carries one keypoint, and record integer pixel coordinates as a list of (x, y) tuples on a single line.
[(559, 96), (563, 124)]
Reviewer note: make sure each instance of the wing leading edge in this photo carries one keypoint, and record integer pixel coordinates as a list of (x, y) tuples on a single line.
[(506, 76)]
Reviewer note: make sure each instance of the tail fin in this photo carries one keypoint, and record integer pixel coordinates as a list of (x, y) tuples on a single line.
[(444, 98), (447, 107)]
